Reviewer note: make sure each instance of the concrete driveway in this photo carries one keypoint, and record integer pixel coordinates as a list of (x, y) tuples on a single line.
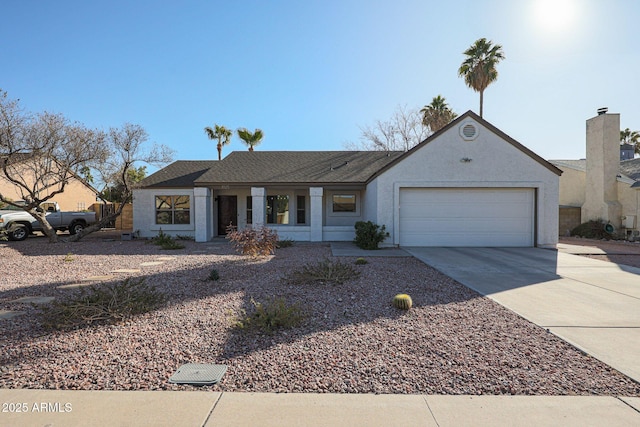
[(592, 304)]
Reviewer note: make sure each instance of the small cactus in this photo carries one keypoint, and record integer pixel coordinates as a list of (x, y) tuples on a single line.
[(402, 301), (361, 261)]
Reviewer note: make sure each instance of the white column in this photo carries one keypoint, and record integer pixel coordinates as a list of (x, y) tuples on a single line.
[(258, 206), (315, 217), (202, 214)]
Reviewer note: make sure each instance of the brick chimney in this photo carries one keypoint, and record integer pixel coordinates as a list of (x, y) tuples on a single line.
[(603, 167)]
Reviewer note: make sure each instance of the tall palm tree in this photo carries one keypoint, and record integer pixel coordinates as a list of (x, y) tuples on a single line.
[(437, 114), (479, 68), (251, 139), (222, 134), (631, 137)]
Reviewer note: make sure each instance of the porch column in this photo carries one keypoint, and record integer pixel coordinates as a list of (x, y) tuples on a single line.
[(202, 217), (315, 217), (257, 205)]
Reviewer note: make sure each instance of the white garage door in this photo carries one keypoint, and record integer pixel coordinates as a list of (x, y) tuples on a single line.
[(466, 216)]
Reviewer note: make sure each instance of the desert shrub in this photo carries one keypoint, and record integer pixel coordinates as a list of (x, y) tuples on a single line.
[(402, 302), (361, 261), (68, 257), (172, 245), (253, 241), (284, 243), (214, 275), (326, 271), (369, 235), (184, 237), (106, 303), (594, 229), (165, 241), (272, 315)]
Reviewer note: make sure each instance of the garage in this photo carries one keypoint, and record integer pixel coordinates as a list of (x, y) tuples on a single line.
[(480, 217)]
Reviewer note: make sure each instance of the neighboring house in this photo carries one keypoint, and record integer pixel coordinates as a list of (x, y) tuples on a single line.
[(604, 185), (77, 196), (469, 184)]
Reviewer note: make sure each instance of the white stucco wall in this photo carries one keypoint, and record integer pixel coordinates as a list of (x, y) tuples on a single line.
[(144, 214), (493, 163)]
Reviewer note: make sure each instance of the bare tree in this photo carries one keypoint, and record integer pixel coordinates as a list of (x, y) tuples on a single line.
[(40, 154), (127, 147), (402, 132)]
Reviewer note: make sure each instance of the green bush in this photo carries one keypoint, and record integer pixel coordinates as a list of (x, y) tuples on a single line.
[(369, 235), (361, 261), (165, 241), (253, 242), (284, 243), (594, 229), (272, 315), (184, 237), (325, 271), (107, 303)]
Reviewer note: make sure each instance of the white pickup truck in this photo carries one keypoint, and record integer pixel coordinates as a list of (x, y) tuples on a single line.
[(18, 224)]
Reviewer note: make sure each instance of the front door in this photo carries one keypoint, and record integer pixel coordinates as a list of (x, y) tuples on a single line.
[(227, 213)]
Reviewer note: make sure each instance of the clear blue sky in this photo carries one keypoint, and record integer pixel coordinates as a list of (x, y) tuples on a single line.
[(310, 73)]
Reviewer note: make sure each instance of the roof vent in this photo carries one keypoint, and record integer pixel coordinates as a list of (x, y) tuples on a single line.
[(468, 131), (602, 110)]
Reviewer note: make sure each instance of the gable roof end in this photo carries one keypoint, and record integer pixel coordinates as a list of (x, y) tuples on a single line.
[(486, 124)]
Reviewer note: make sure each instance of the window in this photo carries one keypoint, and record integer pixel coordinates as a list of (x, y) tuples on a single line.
[(249, 209), (277, 209), (301, 212), (173, 209), (344, 203)]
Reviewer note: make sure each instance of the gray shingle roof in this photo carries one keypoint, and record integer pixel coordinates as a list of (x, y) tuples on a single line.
[(298, 167), (629, 168), (181, 173), (580, 165)]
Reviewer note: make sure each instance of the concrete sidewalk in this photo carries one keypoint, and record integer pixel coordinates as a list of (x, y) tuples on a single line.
[(592, 304), (171, 408)]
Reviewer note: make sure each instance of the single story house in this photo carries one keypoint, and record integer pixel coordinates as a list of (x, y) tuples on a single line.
[(606, 184), (469, 184)]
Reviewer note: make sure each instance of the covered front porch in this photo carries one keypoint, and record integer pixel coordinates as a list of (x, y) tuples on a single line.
[(311, 214)]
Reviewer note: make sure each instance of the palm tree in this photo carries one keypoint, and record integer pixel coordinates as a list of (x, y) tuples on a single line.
[(251, 139), (222, 134), (631, 137), (479, 68), (437, 114)]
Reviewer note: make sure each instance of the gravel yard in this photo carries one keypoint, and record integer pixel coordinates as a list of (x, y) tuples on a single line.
[(353, 341)]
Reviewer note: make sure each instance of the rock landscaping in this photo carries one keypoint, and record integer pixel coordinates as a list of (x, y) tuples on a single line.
[(351, 338)]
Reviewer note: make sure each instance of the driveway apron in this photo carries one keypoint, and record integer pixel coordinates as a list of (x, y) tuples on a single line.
[(592, 304)]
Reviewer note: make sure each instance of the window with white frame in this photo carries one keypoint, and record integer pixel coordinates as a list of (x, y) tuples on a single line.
[(301, 210), (278, 209), (344, 203), (249, 209), (173, 210)]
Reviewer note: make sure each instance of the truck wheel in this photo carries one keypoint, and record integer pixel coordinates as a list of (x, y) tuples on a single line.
[(75, 228), (17, 233)]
